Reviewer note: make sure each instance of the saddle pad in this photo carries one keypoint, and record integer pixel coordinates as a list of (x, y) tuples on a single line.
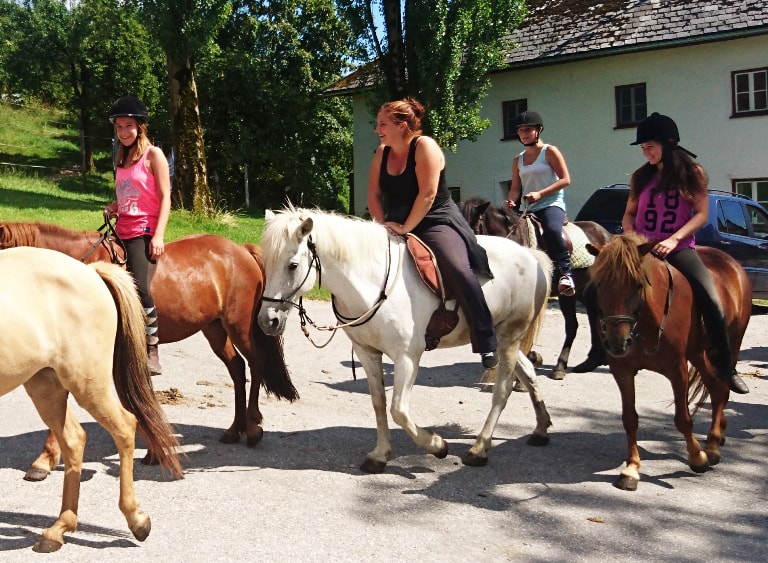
[(580, 258), (425, 262)]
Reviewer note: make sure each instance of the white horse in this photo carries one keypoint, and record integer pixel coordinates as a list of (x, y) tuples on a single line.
[(384, 307)]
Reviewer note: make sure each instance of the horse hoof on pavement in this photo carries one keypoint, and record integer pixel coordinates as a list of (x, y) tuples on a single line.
[(703, 468), (474, 460), (230, 437), (44, 545), (538, 440), (626, 483), (535, 358), (254, 439), (442, 452), (373, 466), (35, 474), (142, 531), (713, 457), (557, 374)]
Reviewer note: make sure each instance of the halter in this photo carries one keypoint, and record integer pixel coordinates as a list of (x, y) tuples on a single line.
[(633, 319), (108, 239), (314, 260)]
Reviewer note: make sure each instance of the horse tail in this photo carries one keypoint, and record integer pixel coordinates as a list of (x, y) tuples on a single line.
[(130, 371), (697, 392), (276, 378), (541, 297)]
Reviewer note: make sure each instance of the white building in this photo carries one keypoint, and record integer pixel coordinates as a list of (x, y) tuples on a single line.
[(593, 71)]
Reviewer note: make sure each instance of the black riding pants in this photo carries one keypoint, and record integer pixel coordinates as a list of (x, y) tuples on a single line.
[(142, 267), (552, 220), (459, 279)]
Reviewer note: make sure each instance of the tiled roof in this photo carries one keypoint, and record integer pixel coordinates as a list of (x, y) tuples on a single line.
[(558, 30)]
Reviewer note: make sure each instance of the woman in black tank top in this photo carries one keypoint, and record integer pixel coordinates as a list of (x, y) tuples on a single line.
[(407, 192)]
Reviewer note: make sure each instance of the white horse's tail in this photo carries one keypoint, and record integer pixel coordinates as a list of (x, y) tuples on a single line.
[(541, 299)]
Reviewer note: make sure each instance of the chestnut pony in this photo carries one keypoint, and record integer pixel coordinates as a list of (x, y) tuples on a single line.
[(486, 219), (203, 283), (70, 328), (640, 296)]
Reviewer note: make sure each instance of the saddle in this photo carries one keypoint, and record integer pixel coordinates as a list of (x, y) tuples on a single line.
[(443, 320), (575, 240)]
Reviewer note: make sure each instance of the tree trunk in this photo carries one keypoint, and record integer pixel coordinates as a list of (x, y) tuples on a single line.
[(190, 180)]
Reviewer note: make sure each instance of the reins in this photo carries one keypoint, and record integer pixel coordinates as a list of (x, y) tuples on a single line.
[(107, 239), (633, 320)]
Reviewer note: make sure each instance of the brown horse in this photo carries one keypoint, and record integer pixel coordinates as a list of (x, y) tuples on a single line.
[(638, 296), (486, 219), (70, 328), (203, 283)]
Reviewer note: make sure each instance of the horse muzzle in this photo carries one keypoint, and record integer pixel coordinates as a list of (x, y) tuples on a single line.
[(272, 319)]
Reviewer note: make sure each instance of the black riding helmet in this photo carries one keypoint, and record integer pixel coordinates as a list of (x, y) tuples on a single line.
[(662, 129), (128, 106), (530, 118)]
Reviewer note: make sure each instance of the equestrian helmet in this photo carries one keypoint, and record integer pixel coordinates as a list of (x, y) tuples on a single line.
[(657, 127), (528, 118), (128, 106)]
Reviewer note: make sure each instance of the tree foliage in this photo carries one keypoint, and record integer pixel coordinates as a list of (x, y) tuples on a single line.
[(438, 51)]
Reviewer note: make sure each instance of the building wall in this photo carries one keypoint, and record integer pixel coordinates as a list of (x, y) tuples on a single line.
[(576, 100)]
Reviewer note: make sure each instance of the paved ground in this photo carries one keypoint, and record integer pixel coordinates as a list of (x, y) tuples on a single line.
[(299, 495)]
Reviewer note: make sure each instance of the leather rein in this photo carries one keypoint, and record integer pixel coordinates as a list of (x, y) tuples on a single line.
[(107, 239)]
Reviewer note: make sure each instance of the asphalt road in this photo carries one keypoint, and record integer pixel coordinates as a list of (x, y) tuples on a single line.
[(300, 496)]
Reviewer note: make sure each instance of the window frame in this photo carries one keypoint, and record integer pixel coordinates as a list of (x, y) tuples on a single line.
[(735, 113), (639, 112), (753, 193), (517, 106)]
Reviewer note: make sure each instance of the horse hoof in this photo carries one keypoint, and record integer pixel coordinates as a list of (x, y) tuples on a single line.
[(252, 441), (373, 466), (474, 460), (150, 459), (626, 483), (713, 458), (700, 468), (442, 452), (44, 545), (35, 474), (142, 532), (230, 437), (557, 374), (535, 358), (538, 440)]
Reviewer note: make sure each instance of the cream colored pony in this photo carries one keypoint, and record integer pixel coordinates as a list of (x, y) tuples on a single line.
[(70, 328)]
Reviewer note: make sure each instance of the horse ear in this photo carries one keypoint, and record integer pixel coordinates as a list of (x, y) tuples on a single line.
[(306, 227), (483, 206), (268, 215), (593, 249)]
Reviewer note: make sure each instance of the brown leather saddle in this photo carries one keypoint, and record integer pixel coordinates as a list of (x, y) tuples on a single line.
[(443, 320)]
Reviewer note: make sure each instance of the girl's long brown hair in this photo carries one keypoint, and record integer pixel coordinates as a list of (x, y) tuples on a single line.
[(680, 172)]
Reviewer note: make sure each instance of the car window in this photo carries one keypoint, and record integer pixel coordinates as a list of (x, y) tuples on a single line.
[(759, 222), (731, 219)]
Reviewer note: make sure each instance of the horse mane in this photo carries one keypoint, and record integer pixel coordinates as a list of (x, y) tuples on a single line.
[(19, 234), (344, 237), (619, 262)]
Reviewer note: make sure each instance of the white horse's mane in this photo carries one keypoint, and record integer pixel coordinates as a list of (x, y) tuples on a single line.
[(343, 237)]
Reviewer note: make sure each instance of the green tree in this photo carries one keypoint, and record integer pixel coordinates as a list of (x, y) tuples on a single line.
[(260, 93), (439, 51), (185, 29)]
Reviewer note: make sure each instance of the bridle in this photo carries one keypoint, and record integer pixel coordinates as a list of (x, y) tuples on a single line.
[(304, 318), (633, 319), (107, 239)]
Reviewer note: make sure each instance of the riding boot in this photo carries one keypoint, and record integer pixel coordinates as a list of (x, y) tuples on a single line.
[(153, 357)]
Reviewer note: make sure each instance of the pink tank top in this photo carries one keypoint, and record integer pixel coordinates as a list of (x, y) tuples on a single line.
[(661, 214), (137, 200)]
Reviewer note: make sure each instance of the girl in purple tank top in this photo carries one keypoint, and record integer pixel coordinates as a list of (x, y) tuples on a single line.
[(668, 203)]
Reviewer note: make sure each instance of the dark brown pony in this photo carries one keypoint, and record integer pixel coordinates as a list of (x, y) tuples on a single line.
[(203, 283), (638, 297), (486, 219)]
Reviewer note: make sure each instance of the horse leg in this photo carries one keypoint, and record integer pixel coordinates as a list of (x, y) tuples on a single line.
[(377, 459), (568, 310), (526, 375), (48, 459), (222, 346), (697, 459), (630, 476), (50, 400), (406, 369), (718, 397)]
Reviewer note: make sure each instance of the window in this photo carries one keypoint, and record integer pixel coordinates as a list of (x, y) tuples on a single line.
[(759, 222), (730, 218), (510, 111), (631, 105), (757, 189), (750, 92)]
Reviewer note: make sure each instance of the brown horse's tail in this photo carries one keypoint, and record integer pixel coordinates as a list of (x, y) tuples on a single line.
[(276, 378), (130, 372), (697, 392)]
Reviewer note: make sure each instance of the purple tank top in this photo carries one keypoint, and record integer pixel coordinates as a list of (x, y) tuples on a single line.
[(660, 214)]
